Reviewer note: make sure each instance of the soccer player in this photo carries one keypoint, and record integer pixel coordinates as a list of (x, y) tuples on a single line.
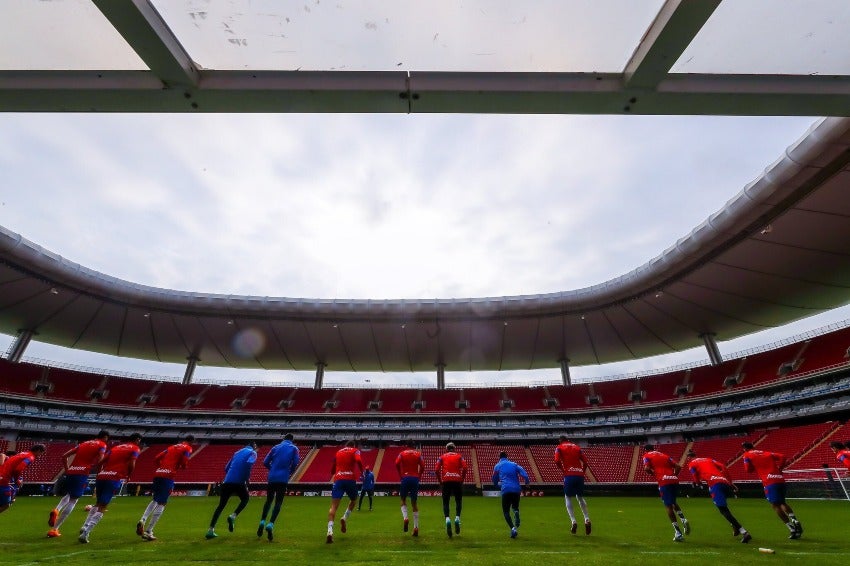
[(12, 473), (237, 473), (410, 466), (87, 456), (720, 487), (842, 453), (451, 472), (281, 462), (506, 475), (173, 458), (666, 473), (572, 463), (368, 487), (119, 464), (344, 483), (769, 466)]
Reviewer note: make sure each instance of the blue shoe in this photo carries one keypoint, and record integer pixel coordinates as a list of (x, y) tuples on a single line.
[(513, 532), (457, 525), (211, 534), (270, 531), (449, 527)]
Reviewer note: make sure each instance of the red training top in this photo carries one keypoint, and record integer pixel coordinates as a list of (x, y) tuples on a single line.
[(13, 468), (86, 455), (119, 462), (661, 466), (451, 466), (843, 456), (768, 465), (709, 470), (409, 464), (343, 464), (570, 459), (172, 459)]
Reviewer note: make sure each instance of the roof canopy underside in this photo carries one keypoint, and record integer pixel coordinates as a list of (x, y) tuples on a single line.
[(776, 252)]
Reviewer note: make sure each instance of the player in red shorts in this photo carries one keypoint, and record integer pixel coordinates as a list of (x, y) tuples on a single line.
[(344, 483), (410, 466), (720, 486), (12, 473), (666, 473), (842, 453), (571, 461), (87, 456), (769, 466), (119, 464), (173, 458), (451, 473)]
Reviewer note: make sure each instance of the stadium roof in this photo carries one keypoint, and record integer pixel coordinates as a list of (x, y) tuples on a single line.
[(775, 253)]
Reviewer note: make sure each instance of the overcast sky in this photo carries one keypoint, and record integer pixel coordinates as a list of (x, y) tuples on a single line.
[(389, 206)]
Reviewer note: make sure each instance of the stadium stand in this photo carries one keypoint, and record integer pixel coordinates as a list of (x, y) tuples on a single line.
[(609, 464), (487, 455), (483, 400), (47, 468), (544, 459), (527, 398), (820, 453), (397, 400), (354, 400), (439, 401)]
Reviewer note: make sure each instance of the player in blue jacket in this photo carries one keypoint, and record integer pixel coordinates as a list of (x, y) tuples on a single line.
[(368, 487), (237, 473), (281, 462), (506, 475)]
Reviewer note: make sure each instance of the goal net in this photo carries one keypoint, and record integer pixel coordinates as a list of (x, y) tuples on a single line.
[(818, 483)]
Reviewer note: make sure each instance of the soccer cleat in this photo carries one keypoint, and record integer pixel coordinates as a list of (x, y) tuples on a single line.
[(53, 533), (416, 531), (260, 528), (513, 532), (140, 528), (231, 522), (798, 527), (449, 527), (686, 526), (51, 518), (270, 531), (746, 538), (574, 528), (342, 525), (678, 537), (457, 525), (406, 522), (84, 537), (147, 535), (211, 534), (795, 535), (587, 527), (330, 538)]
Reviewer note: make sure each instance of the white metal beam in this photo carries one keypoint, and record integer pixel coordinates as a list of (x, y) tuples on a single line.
[(141, 25), (675, 26), (425, 92)]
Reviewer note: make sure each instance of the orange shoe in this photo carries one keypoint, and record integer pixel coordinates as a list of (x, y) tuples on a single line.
[(51, 519), (53, 533)]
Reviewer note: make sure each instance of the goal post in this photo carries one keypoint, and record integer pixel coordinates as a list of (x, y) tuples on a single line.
[(818, 483)]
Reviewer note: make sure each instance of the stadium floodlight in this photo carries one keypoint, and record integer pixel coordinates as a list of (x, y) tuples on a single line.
[(711, 347), (19, 346), (565, 371)]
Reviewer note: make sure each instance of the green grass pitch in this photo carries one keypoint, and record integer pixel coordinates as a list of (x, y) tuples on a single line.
[(627, 530)]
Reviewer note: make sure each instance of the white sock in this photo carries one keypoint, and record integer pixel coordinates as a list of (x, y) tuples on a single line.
[(347, 514), (676, 527), (157, 513), (570, 512), (404, 512), (148, 510), (65, 512), (583, 504), (330, 527), (416, 519), (94, 520), (91, 513), (63, 502)]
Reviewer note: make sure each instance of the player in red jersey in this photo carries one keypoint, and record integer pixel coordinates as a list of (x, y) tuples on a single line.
[(451, 473), (769, 466), (87, 456), (344, 480), (842, 453), (173, 458), (12, 473), (119, 464), (571, 461), (720, 486), (666, 473), (410, 467)]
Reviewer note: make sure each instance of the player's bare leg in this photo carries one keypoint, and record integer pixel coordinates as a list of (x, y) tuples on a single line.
[(332, 518)]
